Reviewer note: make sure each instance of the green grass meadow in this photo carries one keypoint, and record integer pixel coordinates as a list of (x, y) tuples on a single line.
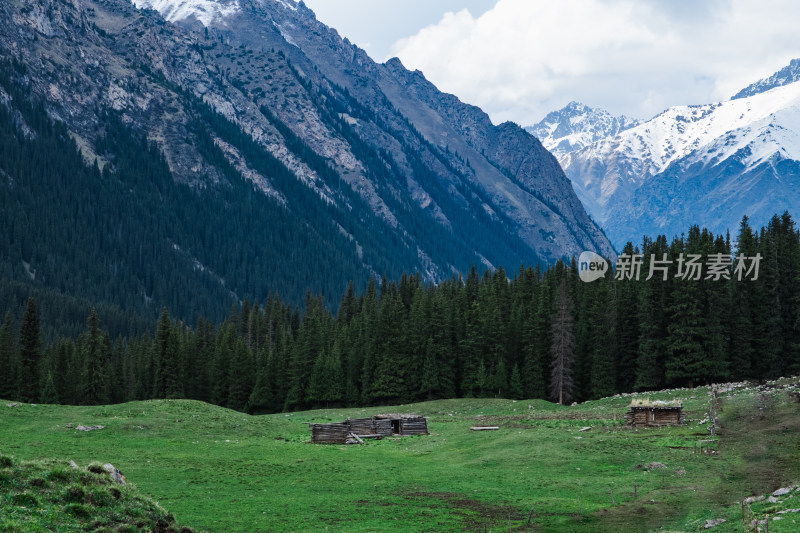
[(222, 471)]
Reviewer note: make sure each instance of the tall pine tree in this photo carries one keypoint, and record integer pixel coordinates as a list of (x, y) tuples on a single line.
[(562, 350), (30, 352)]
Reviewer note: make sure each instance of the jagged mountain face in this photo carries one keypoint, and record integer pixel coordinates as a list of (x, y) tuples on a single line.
[(362, 169), (785, 76), (706, 165), (577, 125)]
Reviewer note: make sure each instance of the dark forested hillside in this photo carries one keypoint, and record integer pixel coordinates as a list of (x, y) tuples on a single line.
[(129, 234), (148, 164), (484, 335)]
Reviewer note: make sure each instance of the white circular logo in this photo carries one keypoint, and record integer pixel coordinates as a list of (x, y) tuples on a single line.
[(591, 266)]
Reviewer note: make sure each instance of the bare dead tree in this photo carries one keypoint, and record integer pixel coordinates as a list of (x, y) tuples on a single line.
[(563, 348)]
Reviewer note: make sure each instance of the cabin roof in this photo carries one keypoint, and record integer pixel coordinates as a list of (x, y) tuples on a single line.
[(659, 404)]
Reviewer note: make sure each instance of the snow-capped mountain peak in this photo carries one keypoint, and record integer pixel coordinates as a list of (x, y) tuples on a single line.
[(707, 164), (682, 130), (206, 11), (785, 76), (577, 125)]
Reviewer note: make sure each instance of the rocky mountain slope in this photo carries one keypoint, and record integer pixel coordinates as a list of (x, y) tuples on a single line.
[(348, 168), (708, 164)]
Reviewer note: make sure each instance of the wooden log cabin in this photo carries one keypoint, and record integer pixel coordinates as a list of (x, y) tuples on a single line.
[(645, 413), (330, 433), (375, 427)]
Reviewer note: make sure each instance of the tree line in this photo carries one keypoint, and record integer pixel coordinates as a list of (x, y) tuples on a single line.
[(536, 333)]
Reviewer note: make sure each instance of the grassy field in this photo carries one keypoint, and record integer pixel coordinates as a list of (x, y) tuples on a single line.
[(220, 471)]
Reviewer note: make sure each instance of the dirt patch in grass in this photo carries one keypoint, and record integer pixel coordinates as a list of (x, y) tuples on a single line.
[(473, 513)]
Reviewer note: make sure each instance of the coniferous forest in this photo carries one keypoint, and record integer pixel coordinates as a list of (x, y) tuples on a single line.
[(531, 333)]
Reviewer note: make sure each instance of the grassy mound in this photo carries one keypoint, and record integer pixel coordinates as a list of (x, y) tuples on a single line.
[(49, 495)]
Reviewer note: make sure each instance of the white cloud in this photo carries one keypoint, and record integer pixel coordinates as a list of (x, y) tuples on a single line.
[(524, 58)]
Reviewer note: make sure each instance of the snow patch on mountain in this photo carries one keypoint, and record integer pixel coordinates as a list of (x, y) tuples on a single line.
[(290, 4), (206, 11)]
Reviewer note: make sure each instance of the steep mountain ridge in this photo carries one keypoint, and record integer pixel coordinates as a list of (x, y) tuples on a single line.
[(788, 74), (371, 159), (438, 121)]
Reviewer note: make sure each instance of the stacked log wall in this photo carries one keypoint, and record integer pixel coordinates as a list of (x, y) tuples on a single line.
[(330, 433), (414, 426), (655, 416)]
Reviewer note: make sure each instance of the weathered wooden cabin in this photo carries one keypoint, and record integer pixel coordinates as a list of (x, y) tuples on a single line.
[(330, 433), (377, 426), (644, 413), (406, 424)]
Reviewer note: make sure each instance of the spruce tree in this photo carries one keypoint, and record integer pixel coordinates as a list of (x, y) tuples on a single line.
[(392, 367), (166, 360), (627, 324), (602, 322), (95, 354), (740, 330), (538, 344), (500, 382), (261, 399), (430, 372), (686, 363), (768, 336), (49, 394), (562, 349), (652, 322), (9, 361), (223, 354), (469, 350), (30, 351), (515, 384), (482, 380), (442, 348), (241, 377)]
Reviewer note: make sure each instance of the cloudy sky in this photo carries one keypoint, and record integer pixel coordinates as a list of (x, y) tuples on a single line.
[(519, 59)]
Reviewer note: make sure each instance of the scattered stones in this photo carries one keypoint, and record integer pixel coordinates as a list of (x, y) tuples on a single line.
[(713, 523), (788, 511), (772, 499), (89, 428), (73, 464), (587, 428), (69, 425), (115, 474), (781, 492), (753, 499), (680, 472), (13, 404), (651, 466)]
